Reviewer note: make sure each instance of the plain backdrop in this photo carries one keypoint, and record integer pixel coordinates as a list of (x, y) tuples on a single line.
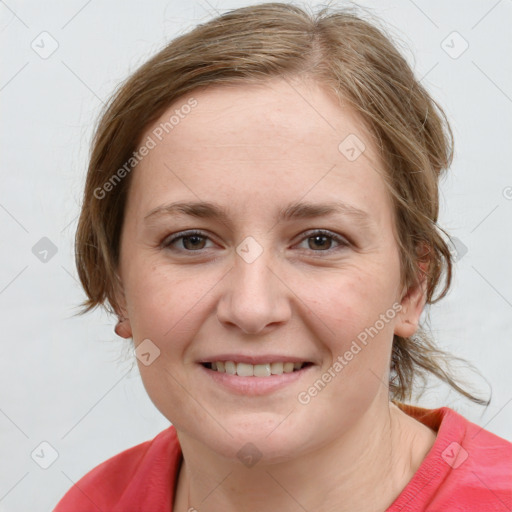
[(68, 382)]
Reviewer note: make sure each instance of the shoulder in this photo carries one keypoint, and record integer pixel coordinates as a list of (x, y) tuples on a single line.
[(473, 446), (480, 463), (467, 468), (127, 477)]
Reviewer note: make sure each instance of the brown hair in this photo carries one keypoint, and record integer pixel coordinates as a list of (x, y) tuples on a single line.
[(337, 48)]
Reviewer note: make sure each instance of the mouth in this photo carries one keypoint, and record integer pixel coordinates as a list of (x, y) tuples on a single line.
[(252, 376), (243, 369)]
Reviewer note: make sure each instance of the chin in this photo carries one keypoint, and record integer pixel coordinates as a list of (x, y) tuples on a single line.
[(262, 436)]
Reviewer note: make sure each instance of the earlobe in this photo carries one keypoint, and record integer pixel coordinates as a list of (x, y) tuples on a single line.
[(123, 328), (413, 302)]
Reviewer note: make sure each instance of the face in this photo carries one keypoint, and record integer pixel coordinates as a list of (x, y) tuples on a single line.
[(293, 260)]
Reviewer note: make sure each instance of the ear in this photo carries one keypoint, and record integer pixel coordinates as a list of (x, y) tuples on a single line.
[(412, 302), (123, 327)]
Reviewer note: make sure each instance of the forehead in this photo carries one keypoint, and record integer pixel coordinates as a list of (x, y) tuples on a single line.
[(279, 138), (279, 112)]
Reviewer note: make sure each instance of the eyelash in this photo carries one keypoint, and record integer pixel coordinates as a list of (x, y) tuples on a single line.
[(166, 244)]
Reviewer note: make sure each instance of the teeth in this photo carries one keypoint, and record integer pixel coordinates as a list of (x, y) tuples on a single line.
[(262, 370), (230, 367), (276, 368), (256, 370), (244, 370), (288, 367)]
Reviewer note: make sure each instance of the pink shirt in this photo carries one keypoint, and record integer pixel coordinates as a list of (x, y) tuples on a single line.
[(467, 469)]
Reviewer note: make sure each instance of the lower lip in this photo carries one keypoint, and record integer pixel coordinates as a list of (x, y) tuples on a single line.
[(254, 386)]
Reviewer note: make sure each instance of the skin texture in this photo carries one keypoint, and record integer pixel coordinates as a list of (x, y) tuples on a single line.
[(253, 149)]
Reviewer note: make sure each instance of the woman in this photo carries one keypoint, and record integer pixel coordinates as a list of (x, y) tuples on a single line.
[(260, 212)]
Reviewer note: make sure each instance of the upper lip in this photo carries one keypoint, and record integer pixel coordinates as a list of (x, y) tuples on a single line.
[(250, 359)]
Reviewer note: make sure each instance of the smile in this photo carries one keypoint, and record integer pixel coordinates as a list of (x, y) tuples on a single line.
[(255, 370)]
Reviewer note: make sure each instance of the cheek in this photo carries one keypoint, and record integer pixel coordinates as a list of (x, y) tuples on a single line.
[(352, 300), (356, 315), (355, 312), (152, 302), (165, 307), (166, 304)]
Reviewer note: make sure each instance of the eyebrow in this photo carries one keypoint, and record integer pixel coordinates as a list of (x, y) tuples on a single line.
[(293, 211)]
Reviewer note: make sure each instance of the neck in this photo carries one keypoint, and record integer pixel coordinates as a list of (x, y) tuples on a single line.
[(365, 469)]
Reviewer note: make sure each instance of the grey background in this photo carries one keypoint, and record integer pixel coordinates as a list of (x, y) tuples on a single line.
[(69, 381)]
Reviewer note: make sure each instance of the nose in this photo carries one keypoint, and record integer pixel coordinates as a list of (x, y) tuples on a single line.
[(254, 297)]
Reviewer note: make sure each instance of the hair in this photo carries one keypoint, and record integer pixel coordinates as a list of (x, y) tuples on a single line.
[(336, 48)]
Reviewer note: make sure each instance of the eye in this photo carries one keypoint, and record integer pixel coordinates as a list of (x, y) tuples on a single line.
[(191, 240), (194, 241), (321, 240)]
